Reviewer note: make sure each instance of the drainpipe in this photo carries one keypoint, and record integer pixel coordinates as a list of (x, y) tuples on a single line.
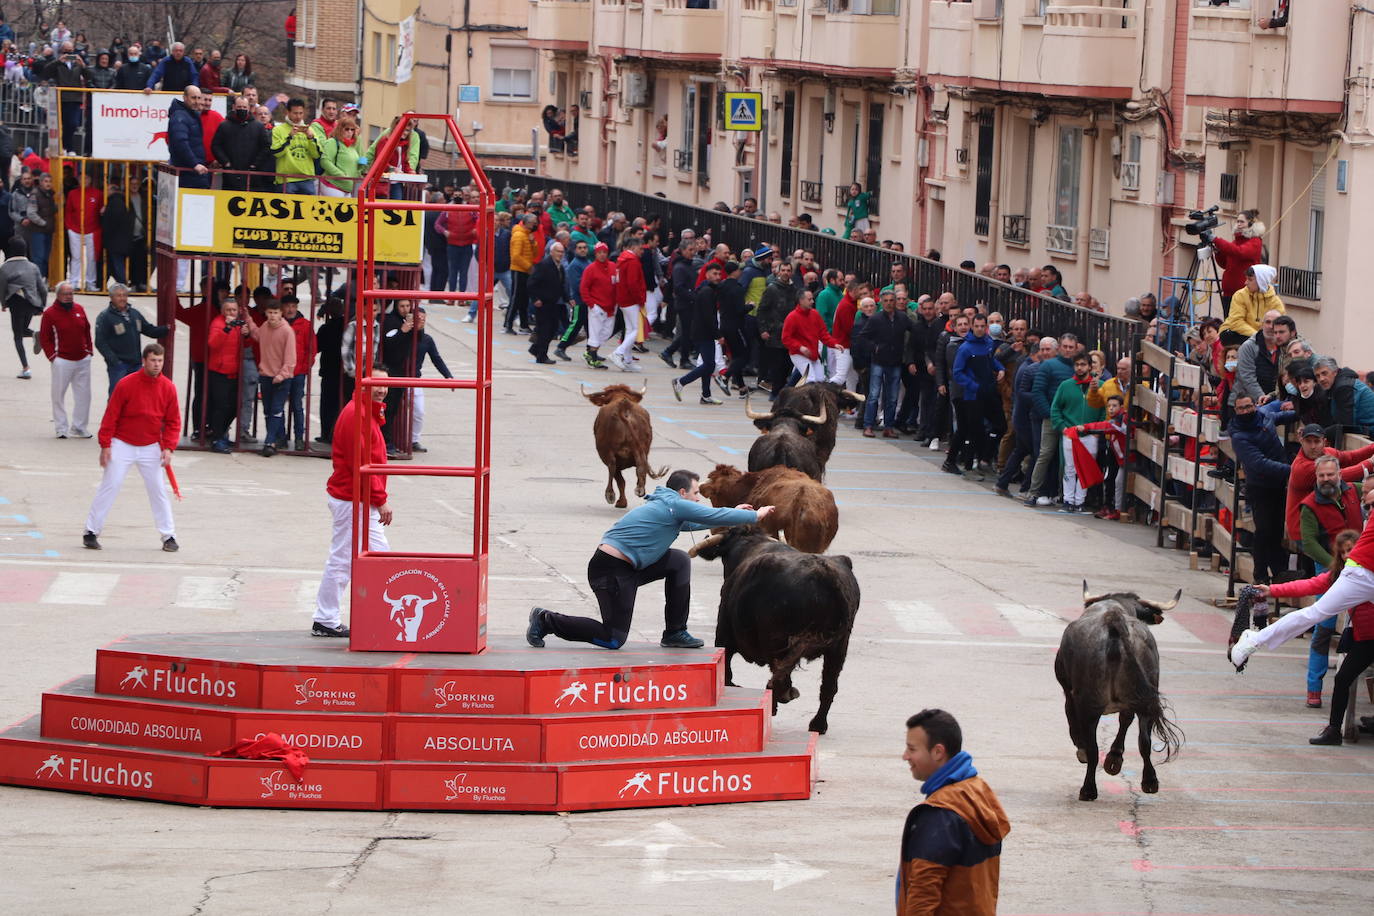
[(1085, 250), (1178, 101)]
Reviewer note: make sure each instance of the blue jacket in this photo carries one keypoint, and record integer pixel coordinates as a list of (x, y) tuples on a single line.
[(173, 76), (185, 142), (500, 252), (1021, 406), (645, 533), (975, 368), (1260, 451), (573, 272), (1047, 380)]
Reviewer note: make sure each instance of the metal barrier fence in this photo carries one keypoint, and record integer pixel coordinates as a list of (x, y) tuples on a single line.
[(1114, 335)]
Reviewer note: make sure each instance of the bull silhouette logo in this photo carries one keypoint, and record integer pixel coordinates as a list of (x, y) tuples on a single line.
[(52, 766), (159, 135), (407, 613)]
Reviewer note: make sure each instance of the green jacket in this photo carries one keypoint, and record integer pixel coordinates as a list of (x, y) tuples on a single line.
[(580, 235), (412, 150), (563, 214), (826, 302), (1070, 406), (296, 153), (339, 162)]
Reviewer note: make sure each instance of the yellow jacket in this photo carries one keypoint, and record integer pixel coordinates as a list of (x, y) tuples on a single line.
[(1098, 394), (1247, 310), (522, 253)]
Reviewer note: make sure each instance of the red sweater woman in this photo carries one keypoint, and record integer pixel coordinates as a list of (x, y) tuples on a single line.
[(1239, 255)]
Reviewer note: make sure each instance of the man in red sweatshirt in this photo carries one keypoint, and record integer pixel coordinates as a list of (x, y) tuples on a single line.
[(803, 332), (630, 293), (339, 567), (1302, 478), (64, 335), (141, 426), (597, 287)]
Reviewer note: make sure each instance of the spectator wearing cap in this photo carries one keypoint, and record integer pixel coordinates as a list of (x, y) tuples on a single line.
[(597, 290), (1251, 304), (1354, 465)]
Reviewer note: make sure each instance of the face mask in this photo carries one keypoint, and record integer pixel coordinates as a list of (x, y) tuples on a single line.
[(1230, 365), (995, 329), (133, 58), (240, 115), (1290, 387)]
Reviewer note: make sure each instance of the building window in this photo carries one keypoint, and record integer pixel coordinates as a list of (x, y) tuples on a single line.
[(512, 73), (789, 126), (1070, 168), (982, 196), (376, 53), (390, 68), (1316, 218), (866, 7)]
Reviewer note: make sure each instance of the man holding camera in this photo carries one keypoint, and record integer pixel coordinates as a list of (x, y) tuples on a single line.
[(68, 72), (296, 150)]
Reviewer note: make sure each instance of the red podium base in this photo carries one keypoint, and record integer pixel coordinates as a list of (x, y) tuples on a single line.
[(514, 729)]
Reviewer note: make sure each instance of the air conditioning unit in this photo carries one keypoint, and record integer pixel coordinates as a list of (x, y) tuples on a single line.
[(637, 93), (987, 9), (961, 155)]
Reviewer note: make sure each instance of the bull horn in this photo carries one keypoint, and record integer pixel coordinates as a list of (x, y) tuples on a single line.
[(708, 542), (645, 390), (581, 389), (819, 420), (753, 415), (1089, 597), (858, 397), (1166, 606)]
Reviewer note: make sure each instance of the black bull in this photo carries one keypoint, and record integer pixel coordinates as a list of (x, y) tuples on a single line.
[(799, 430), (779, 606), (1108, 662)]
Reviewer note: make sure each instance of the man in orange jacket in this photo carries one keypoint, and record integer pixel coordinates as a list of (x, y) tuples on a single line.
[(951, 844)]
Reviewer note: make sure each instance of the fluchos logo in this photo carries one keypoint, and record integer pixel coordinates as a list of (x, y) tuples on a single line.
[(419, 605), (274, 783), (673, 783), (135, 677), (307, 693), (459, 788), (448, 692), (574, 693)]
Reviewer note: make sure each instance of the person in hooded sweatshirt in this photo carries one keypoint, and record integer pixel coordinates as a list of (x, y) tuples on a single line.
[(1249, 303), (979, 407), (638, 550), (952, 843)]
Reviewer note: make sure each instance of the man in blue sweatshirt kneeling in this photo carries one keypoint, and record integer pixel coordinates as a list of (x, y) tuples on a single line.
[(636, 551)]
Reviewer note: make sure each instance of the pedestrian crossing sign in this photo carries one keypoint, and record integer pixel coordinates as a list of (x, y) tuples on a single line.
[(742, 110)]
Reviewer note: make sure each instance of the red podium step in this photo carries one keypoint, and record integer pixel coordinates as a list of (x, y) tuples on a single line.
[(513, 728)]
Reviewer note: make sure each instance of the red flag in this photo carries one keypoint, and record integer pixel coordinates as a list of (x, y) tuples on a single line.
[(1084, 461), (172, 479)]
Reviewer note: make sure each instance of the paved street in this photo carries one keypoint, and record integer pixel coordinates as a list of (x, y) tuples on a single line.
[(964, 598)]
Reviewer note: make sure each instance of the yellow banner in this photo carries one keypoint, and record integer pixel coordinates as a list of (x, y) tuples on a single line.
[(290, 226)]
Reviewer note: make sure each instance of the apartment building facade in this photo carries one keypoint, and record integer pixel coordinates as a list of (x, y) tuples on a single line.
[(1078, 134)]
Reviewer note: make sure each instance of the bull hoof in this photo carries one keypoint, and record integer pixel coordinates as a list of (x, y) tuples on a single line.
[(621, 503), (1086, 794), (818, 725), (1082, 756), (1149, 785), (639, 491), (610, 496), (789, 695), (1112, 765)]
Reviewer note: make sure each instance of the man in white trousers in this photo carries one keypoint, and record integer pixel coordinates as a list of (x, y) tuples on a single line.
[(64, 336), (630, 293), (338, 569), (141, 426), (1354, 586)]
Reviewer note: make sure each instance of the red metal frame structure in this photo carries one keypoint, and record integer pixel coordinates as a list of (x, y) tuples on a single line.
[(432, 601)]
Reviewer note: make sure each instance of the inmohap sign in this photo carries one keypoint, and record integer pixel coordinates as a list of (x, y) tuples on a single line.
[(131, 125)]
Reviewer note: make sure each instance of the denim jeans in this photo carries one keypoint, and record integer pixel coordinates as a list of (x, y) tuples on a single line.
[(459, 257), (118, 370), (295, 387), (303, 186), (706, 349), (883, 381), (273, 401)]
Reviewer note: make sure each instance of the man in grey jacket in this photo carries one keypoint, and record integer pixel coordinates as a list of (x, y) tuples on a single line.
[(117, 332), (23, 293), (1257, 360)]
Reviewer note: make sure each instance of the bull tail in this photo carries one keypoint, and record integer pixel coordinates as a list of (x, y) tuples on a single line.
[(1164, 730), (1116, 633), (1144, 697), (660, 473)]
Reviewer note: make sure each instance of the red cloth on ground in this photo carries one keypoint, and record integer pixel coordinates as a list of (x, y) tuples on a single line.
[(270, 746), (142, 410), (1084, 461)]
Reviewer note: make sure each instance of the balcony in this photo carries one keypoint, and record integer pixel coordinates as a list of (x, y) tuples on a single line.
[(1087, 45), (561, 24), (1015, 229), (1295, 283), (842, 199), (1232, 60), (755, 25), (859, 37), (1100, 244), (1061, 239), (682, 160), (672, 28), (811, 192)]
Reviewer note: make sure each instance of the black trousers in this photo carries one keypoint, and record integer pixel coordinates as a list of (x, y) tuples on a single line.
[(774, 366), (519, 301), (615, 584), (197, 397), (987, 426), (329, 403), (961, 445), (1360, 657), (224, 402), (545, 327), (575, 327), (738, 349), (1271, 558), (21, 313)]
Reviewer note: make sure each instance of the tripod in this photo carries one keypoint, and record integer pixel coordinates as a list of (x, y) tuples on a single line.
[(1188, 293)]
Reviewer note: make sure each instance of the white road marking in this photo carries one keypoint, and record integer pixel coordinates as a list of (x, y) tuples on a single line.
[(211, 592), (1032, 622), (92, 589), (921, 617)]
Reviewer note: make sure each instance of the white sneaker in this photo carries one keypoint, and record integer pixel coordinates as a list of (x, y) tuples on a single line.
[(632, 365), (615, 360), (467, 319), (934, 445), (1245, 647), (1043, 501)]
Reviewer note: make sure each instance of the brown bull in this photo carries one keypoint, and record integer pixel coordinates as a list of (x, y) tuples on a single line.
[(623, 435), (805, 512)]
